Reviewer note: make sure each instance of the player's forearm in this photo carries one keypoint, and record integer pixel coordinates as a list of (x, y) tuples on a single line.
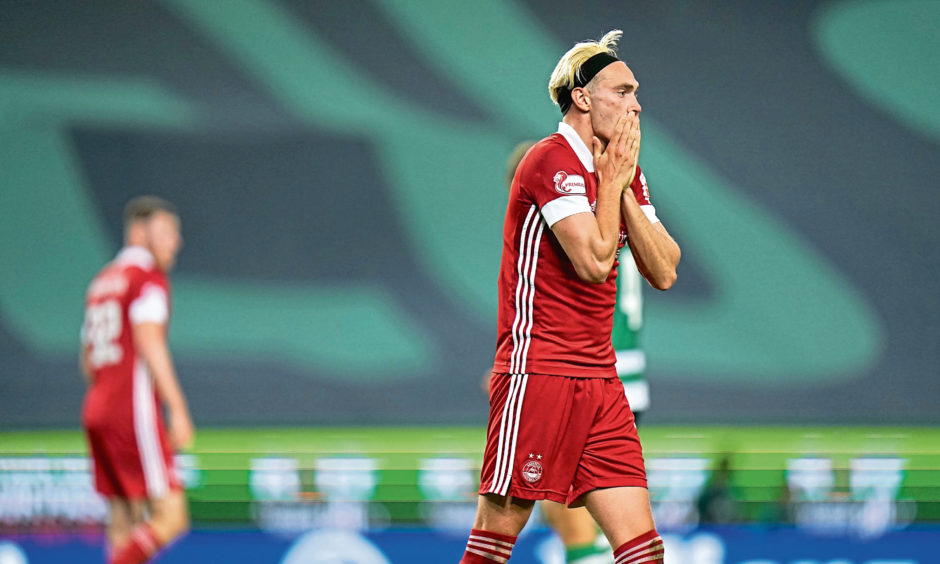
[(590, 240), (168, 389), (83, 366), (150, 342), (656, 253), (179, 422), (167, 386), (608, 226)]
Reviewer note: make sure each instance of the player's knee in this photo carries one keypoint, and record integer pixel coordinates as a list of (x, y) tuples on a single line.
[(503, 514), (180, 520), (574, 526), (172, 526), (183, 523), (170, 519)]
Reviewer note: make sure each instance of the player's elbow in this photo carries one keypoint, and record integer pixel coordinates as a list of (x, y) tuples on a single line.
[(592, 271), (664, 280), (663, 275)]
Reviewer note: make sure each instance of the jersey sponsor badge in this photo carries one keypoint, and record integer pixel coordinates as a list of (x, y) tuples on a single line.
[(569, 184)]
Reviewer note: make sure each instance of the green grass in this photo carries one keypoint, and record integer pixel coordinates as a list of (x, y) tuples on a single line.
[(834, 441), (757, 457)]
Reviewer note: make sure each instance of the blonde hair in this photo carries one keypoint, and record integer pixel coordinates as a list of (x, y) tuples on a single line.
[(563, 77)]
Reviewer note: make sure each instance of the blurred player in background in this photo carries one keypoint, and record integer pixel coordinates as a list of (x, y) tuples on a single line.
[(584, 544), (628, 321), (560, 426), (129, 371)]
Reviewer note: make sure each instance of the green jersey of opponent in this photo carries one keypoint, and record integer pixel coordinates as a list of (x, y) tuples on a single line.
[(628, 320)]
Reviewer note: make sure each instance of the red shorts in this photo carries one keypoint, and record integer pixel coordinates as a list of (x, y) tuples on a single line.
[(132, 461), (557, 438)]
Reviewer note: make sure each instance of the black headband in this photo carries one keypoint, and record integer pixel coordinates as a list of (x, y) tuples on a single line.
[(588, 71)]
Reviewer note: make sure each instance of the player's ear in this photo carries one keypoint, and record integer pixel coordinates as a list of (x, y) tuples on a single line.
[(581, 99)]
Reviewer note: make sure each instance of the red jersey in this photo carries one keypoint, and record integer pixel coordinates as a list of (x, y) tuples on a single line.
[(121, 402), (549, 320)]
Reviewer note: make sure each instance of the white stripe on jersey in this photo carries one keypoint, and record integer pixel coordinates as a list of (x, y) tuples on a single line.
[(523, 247), (529, 240), (527, 335), (145, 429)]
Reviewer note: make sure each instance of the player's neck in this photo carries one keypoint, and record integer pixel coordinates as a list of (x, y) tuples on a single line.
[(581, 123)]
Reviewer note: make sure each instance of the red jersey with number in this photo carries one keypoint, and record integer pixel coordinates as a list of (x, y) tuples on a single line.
[(549, 320), (121, 414)]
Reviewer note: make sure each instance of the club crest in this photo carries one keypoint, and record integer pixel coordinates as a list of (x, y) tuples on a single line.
[(532, 469)]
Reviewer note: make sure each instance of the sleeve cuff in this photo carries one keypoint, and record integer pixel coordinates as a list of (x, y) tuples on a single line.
[(650, 212), (560, 208), (150, 307)]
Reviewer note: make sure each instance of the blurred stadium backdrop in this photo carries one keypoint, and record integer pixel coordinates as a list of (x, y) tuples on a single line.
[(339, 170)]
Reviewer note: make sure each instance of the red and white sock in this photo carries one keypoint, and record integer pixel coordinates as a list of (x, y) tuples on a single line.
[(485, 547), (138, 549), (647, 547)]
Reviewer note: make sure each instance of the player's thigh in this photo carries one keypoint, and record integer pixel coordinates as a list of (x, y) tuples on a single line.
[(169, 515), (502, 514), (622, 513), (574, 525)]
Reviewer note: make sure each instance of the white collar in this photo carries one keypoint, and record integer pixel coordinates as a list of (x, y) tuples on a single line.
[(585, 155), (138, 256)]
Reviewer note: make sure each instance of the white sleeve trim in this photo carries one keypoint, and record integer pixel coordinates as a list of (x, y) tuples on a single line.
[(560, 208), (650, 212), (151, 306)]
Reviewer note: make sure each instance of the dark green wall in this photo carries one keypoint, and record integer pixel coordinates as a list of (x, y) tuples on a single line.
[(338, 166)]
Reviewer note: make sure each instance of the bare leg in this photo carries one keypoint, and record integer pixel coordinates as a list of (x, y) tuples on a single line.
[(622, 513), (138, 509), (169, 516), (502, 514), (120, 522), (575, 526)]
